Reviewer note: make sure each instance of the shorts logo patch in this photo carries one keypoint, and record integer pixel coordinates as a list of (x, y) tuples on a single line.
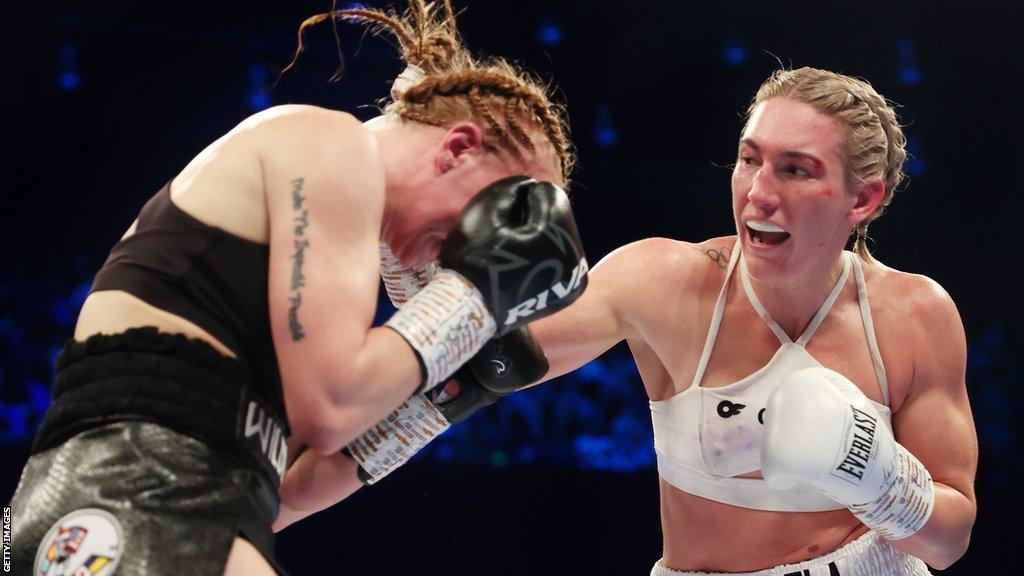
[(86, 542)]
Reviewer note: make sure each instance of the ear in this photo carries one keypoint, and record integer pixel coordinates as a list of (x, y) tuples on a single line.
[(868, 198), (463, 142)]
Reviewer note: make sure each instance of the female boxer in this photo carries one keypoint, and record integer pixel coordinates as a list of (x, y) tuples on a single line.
[(799, 426), (240, 302)]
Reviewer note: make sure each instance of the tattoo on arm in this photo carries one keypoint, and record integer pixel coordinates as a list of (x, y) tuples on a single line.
[(721, 257), (301, 219)]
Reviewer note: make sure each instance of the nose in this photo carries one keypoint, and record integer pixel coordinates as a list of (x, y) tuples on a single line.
[(763, 193)]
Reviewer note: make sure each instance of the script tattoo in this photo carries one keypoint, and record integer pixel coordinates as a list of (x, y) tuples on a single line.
[(298, 259), (720, 257)]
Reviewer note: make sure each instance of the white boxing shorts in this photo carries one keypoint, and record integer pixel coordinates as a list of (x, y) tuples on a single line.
[(869, 555)]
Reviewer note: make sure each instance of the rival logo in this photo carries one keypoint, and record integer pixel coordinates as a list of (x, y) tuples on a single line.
[(855, 463), (271, 437), (529, 306)]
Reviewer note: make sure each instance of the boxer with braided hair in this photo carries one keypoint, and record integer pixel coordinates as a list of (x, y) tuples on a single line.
[(236, 312), (799, 429), (874, 142)]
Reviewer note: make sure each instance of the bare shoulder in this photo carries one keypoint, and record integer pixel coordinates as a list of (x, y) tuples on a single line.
[(298, 114), (918, 315), (327, 149), (315, 126), (920, 301), (666, 261)]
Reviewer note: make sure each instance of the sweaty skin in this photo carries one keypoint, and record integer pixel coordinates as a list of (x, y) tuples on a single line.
[(672, 288), (659, 296)]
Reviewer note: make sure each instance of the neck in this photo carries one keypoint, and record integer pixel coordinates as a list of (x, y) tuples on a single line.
[(793, 302), (400, 158)]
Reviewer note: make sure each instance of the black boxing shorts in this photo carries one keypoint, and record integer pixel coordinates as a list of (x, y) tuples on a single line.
[(154, 456)]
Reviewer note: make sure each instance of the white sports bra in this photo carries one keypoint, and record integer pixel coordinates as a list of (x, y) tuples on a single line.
[(705, 437)]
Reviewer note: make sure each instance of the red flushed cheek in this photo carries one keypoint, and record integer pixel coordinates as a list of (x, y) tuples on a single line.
[(826, 192)]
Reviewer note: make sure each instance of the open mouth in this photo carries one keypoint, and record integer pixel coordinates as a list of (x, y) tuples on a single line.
[(765, 234)]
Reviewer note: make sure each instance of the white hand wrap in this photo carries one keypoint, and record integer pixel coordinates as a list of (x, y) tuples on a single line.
[(402, 282), (392, 441), (446, 323), (906, 504)]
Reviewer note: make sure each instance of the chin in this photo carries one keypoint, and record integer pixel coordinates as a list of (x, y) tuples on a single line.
[(768, 265)]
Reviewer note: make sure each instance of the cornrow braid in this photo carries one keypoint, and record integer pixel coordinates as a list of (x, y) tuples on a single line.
[(512, 106), (497, 81), (456, 87)]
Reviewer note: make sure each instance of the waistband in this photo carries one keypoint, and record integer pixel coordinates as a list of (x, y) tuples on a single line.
[(869, 555), (179, 382)]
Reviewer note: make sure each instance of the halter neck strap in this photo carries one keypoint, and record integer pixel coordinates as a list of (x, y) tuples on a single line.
[(816, 321)]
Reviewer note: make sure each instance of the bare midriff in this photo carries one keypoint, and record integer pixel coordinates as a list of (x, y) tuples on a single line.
[(708, 536), (114, 311)]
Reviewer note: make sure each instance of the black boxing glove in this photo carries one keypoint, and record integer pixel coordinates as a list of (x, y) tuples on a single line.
[(514, 257), (517, 243), (503, 366)]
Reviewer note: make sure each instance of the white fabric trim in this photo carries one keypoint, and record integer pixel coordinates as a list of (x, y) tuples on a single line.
[(753, 493), (716, 319), (869, 328), (818, 318), (869, 555)]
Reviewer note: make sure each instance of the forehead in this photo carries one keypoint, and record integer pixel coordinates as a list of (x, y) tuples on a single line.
[(782, 125)]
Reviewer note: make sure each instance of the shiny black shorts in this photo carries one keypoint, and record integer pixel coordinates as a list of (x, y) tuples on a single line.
[(139, 495)]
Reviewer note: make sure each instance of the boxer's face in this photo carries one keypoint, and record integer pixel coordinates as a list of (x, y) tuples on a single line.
[(791, 200), (462, 167)]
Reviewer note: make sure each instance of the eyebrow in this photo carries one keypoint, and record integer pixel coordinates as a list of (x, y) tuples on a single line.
[(788, 154)]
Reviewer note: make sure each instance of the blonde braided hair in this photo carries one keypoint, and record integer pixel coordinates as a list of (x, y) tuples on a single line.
[(507, 101)]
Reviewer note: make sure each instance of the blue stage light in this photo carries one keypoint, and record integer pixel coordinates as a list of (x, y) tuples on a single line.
[(549, 33), (734, 50), (605, 134), (908, 71), (68, 76), (259, 98), (916, 165)]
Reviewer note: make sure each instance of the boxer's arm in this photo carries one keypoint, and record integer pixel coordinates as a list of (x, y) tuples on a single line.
[(313, 483), (936, 425), (325, 196), (625, 287)]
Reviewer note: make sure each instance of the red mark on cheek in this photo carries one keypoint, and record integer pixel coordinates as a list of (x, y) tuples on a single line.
[(826, 192)]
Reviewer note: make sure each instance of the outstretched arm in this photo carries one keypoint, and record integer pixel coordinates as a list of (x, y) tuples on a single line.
[(623, 297)]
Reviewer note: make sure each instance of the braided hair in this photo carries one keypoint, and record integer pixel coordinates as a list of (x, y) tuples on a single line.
[(515, 109), (875, 146)]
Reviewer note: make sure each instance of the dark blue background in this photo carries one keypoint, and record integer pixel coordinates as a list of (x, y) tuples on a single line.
[(102, 103)]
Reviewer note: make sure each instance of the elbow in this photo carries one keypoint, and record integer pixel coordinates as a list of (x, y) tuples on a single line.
[(322, 416), (325, 428), (946, 556)]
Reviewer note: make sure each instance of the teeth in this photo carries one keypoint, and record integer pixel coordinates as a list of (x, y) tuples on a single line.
[(762, 226)]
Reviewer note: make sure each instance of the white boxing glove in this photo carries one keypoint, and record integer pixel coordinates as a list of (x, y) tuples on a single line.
[(822, 431)]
